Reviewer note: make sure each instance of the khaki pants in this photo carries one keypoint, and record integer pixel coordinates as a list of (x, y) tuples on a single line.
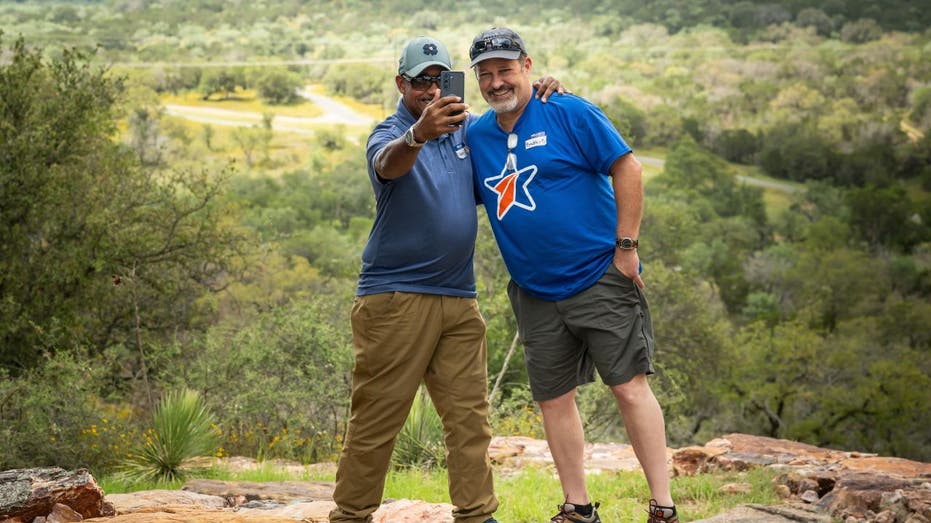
[(401, 339)]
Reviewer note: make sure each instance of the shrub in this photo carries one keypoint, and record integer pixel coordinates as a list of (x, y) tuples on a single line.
[(420, 442), (182, 428)]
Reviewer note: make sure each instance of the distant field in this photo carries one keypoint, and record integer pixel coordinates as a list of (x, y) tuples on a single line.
[(245, 101)]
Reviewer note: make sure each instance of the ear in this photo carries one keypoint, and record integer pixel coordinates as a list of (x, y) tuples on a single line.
[(528, 63), (399, 81)]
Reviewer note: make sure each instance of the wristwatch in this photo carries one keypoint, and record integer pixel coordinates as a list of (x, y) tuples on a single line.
[(627, 244), (410, 140)]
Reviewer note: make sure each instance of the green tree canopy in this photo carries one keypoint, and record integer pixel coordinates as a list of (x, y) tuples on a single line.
[(95, 251)]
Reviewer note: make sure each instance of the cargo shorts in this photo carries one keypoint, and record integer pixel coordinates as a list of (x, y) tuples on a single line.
[(606, 327)]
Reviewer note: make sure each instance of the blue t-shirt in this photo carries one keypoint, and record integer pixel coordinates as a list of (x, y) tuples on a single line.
[(553, 214), (423, 238)]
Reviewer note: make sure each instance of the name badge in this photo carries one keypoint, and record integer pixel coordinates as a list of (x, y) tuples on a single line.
[(535, 140)]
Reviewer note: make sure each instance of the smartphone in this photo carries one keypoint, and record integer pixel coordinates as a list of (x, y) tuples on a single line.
[(453, 83)]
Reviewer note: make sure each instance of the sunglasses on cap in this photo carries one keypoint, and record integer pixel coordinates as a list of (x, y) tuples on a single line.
[(422, 82), (495, 43)]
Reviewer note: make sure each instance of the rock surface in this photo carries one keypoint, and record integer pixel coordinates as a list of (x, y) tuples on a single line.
[(818, 484), (280, 491), (849, 486), (31, 493), (766, 514)]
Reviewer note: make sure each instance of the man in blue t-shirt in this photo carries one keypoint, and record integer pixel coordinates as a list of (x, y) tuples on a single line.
[(564, 196), (415, 316)]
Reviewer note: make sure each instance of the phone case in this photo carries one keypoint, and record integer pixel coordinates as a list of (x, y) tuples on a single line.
[(452, 83)]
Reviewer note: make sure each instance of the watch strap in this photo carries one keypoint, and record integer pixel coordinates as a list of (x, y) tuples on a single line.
[(627, 244)]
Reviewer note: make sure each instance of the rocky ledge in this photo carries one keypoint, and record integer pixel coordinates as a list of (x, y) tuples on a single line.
[(817, 484)]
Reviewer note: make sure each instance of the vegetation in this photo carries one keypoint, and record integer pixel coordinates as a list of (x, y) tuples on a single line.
[(420, 442), (182, 428), (141, 253)]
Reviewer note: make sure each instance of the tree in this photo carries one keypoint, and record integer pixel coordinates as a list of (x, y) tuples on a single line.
[(146, 137), (796, 151), (285, 372), (95, 251), (861, 31), (630, 121), (363, 82), (222, 81), (698, 172), (813, 17), (920, 112), (279, 86), (737, 145), (887, 217)]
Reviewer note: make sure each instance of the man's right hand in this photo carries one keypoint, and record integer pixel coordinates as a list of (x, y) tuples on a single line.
[(438, 117)]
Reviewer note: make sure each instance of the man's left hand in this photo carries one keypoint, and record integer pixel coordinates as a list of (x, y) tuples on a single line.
[(628, 263), (547, 86)]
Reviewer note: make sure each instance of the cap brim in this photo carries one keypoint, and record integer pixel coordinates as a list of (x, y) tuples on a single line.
[(417, 69), (507, 55)]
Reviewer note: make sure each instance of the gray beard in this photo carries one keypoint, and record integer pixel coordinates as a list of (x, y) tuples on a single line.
[(505, 106)]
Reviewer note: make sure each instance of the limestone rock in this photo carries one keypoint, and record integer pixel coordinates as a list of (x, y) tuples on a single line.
[(736, 488), (308, 512), (62, 514), (188, 514), (281, 491), (857, 493), (30, 493), (516, 451), (766, 514), (143, 499), (689, 461), (851, 486), (409, 511)]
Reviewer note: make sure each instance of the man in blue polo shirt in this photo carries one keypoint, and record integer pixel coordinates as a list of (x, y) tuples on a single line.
[(564, 196), (415, 316)]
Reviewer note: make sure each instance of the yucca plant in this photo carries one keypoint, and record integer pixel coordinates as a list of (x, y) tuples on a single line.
[(182, 428), (420, 442)]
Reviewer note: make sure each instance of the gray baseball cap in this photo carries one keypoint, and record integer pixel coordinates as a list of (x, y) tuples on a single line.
[(420, 53), (497, 42)]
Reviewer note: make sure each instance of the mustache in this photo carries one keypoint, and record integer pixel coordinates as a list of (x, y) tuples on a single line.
[(500, 90)]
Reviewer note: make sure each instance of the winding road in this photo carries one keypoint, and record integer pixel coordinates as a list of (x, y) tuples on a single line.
[(749, 180), (334, 112)]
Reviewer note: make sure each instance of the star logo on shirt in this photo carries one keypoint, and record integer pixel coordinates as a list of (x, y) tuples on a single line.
[(506, 184)]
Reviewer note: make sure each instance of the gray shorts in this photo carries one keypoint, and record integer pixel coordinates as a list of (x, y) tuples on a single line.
[(605, 327)]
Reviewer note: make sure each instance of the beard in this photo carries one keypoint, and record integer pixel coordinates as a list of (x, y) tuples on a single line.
[(508, 104)]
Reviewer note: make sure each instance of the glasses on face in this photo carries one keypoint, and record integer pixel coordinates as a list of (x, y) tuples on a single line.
[(422, 82), (511, 164), (497, 43)]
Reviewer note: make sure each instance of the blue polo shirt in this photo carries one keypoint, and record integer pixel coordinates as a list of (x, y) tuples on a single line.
[(423, 238)]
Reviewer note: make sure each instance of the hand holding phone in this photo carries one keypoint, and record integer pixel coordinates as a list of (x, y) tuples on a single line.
[(453, 83)]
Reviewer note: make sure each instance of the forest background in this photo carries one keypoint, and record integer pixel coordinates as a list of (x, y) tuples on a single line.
[(785, 239)]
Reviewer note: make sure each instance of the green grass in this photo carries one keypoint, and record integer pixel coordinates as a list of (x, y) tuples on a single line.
[(264, 472), (532, 494)]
